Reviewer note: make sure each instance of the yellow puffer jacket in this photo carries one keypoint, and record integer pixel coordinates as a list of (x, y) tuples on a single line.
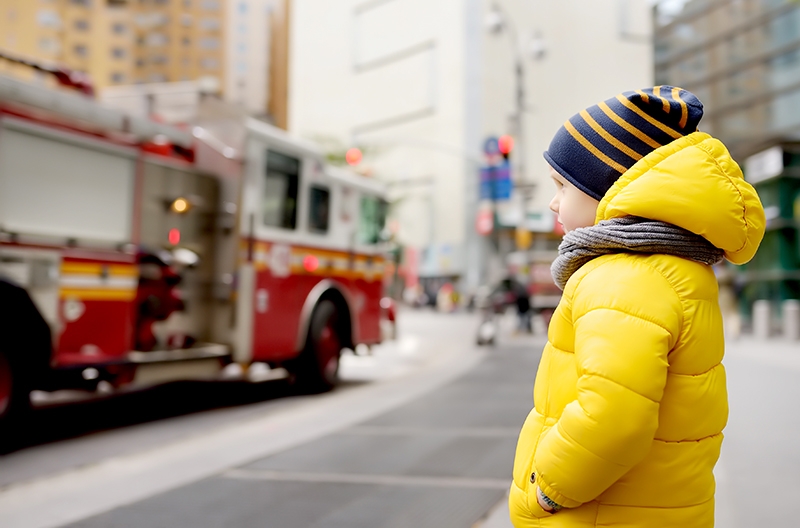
[(630, 397)]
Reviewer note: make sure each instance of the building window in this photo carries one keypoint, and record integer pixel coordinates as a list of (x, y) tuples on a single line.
[(85, 3), (118, 53), (209, 64), (157, 39), (161, 2), (117, 3), (81, 25), (47, 18), (209, 43), (80, 50), (160, 59), (117, 78), (186, 20), (211, 5), (209, 24), (243, 8), (158, 77), (49, 45), (187, 3), (140, 63), (118, 28), (186, 41)]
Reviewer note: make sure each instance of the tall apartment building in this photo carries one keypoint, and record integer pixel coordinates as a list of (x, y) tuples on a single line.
[(177, 40), (118, 42), (239, 48), (742, 59)]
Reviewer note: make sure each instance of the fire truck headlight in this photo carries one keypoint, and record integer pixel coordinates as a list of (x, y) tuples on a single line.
[(180, 205)]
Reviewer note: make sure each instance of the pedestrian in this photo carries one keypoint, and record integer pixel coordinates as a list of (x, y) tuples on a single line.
[(630, 398), (523, 303)]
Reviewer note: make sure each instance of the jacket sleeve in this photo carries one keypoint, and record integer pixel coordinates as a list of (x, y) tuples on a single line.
[(624, 329)]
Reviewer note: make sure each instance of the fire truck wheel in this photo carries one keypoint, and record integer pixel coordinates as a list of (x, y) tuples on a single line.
[(318, 364), (14, 399)]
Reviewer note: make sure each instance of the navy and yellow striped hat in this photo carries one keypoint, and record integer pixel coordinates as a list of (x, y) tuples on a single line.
[(597, 145)]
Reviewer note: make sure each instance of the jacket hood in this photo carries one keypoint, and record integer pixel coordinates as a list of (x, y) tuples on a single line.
[(693, 183)]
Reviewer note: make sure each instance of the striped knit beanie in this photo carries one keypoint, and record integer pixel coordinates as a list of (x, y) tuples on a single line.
[(597, 145)]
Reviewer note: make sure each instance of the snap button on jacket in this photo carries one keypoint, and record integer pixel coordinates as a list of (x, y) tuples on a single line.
[(630, 396)]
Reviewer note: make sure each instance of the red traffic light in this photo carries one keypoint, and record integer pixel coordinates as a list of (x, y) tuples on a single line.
[(174, 236), (353, 156), (505, 144)]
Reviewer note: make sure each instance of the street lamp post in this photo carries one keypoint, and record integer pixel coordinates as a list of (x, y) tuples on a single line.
[(498, 21)]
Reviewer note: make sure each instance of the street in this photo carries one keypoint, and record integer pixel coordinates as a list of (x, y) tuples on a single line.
[(421, 433)]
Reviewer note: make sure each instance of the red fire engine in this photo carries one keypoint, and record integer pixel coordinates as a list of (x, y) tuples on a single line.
[(135, 252)]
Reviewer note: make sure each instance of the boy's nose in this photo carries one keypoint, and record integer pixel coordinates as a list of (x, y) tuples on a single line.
[(554, 204)]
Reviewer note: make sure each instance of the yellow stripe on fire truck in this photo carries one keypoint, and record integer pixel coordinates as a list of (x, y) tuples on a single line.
[(328, 262), (98, 282)]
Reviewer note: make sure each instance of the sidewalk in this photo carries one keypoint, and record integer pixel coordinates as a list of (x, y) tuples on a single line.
[(760, 450)]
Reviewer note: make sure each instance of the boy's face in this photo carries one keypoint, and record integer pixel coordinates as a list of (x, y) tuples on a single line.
[(574, 207)]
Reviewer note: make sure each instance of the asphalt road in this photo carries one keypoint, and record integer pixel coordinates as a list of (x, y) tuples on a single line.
[(421, 433)]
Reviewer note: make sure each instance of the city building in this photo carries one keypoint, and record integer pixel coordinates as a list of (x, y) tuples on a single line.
[(235, 48), (420, 85), (118, 42), (178, 40), (742, 59)]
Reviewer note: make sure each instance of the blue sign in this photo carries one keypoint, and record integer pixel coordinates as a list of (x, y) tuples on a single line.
[(491, 146), (495, 182)]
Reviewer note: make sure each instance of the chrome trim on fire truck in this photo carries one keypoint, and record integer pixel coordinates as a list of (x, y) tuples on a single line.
[(202, 351), (311, 302)]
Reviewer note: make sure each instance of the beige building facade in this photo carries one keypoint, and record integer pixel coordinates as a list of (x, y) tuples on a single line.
[(421, 84), (118, 42)]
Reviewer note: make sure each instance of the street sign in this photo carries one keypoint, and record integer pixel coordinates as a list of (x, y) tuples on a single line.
[(491, 146), (484, 222), (495, 182)]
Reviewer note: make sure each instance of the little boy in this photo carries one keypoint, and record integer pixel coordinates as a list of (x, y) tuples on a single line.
[(630, 398)]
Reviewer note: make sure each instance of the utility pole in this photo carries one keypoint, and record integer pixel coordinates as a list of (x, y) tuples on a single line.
[(497, 21)]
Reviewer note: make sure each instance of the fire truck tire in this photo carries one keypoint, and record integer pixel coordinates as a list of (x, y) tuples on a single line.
[(317, 368), (14, 400)]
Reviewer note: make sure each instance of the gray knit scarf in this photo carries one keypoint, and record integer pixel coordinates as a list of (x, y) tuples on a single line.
[(630, 234)]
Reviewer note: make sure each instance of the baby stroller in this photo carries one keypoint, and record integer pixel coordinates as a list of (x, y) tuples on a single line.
[(491, 306)]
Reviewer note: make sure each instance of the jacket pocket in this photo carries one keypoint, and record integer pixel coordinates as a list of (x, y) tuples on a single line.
[(526, 447), (533, 504)]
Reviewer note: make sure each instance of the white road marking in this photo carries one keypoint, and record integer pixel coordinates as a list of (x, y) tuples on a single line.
[(82, 492), (379, 480), (473, 432)]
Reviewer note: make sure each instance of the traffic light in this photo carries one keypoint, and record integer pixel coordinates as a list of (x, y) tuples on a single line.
[(353, 156), (505, 145)]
